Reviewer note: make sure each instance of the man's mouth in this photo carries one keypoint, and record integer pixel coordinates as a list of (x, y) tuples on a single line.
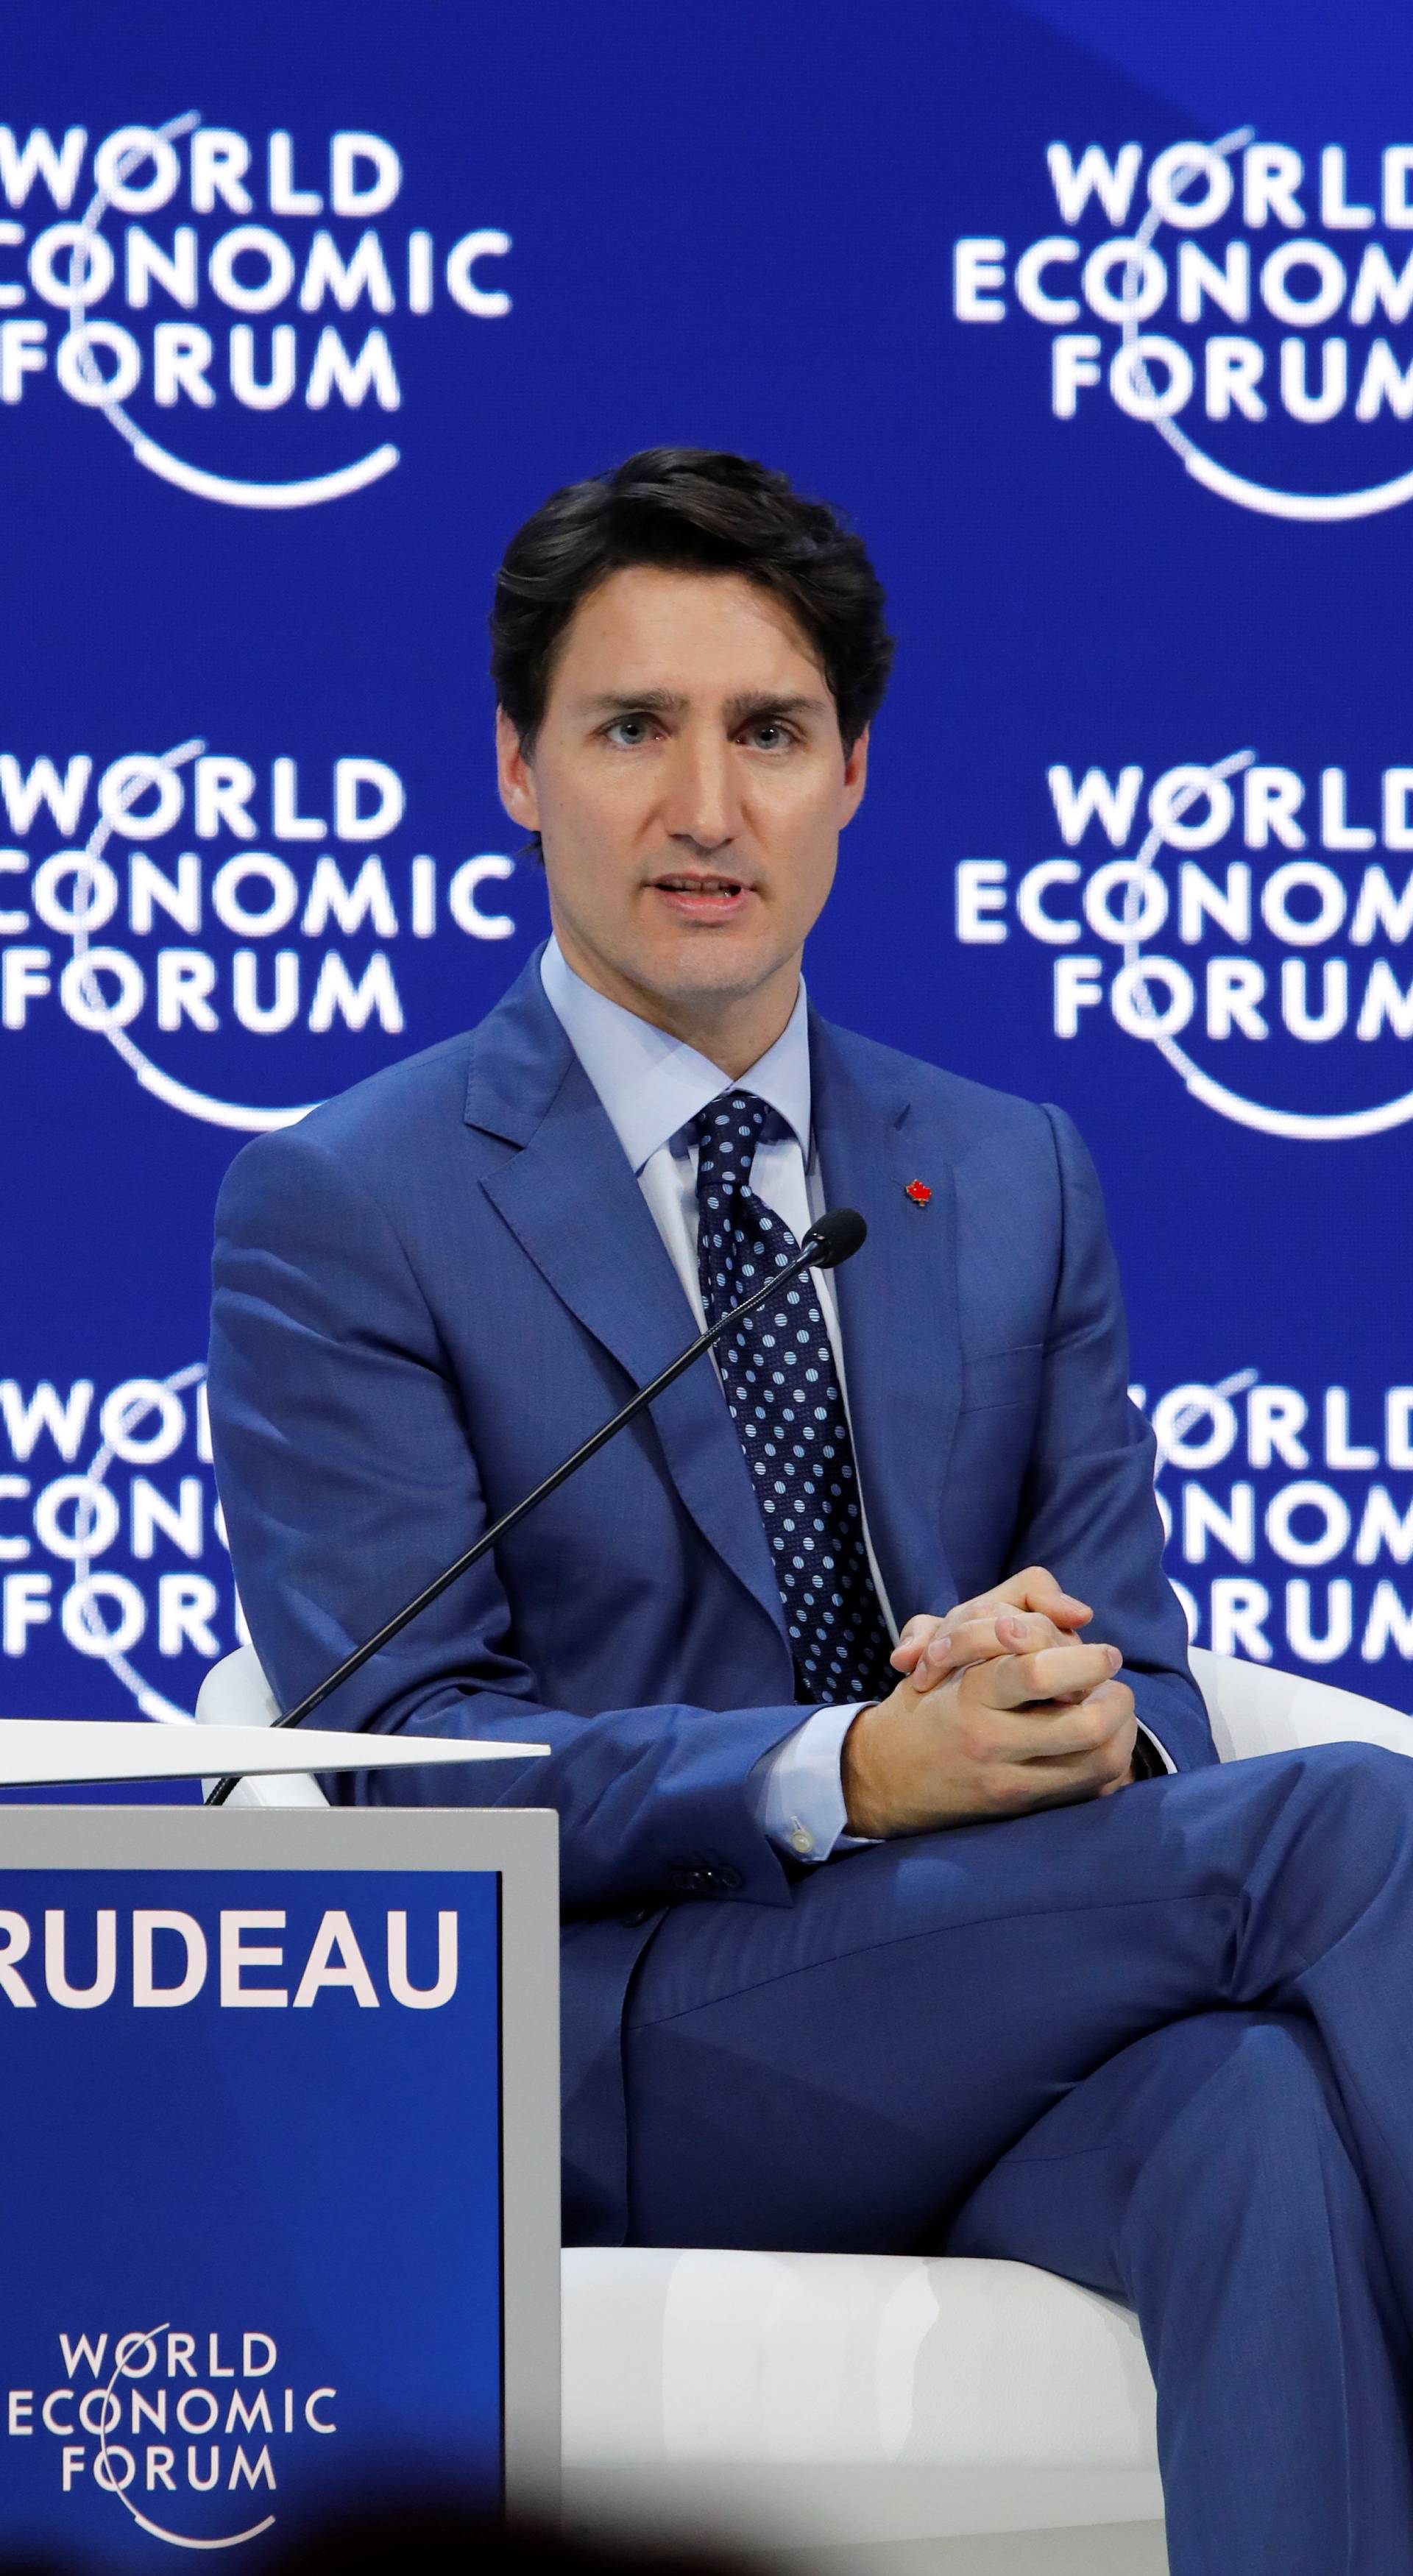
[(700, 897)]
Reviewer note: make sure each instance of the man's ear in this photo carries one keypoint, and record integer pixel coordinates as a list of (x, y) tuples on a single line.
[(855, 778), (515, 775)]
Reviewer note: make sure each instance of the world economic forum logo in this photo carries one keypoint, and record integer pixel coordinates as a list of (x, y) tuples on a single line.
[(245, 292), (192, 2433), (111, 1534), (200, 906), (1248, 922), (1240, 300)]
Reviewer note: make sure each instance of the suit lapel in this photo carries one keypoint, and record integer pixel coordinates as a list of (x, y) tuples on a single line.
[(571, 1200), (897, 1310)]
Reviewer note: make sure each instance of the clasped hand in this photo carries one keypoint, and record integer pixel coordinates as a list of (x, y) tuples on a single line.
[(1000, 1710)]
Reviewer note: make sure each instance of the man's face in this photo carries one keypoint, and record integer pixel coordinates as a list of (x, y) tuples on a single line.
[(689, 785)]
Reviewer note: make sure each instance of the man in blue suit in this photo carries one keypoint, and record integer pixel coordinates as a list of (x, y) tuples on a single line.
[(893, 1914)]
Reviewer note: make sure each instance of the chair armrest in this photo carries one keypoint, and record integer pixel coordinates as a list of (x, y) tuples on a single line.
[(236, 1693), (1254, 1709)]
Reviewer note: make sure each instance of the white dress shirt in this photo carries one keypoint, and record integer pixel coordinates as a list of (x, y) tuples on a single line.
[(652, 1087)]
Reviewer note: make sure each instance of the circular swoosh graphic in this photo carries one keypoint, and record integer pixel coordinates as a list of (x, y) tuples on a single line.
[(298, 495), (1265, 497), (178, 2539)]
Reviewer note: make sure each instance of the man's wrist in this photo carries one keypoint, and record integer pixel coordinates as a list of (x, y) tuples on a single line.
[(860, 1806)]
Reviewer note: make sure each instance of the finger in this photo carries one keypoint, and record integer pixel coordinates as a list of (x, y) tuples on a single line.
[(920, 1626), (1100, 1762), (1070, 1784), (1051, 1673), (1034, 1588), (928, 1647), (978, 1641), (1038, 1589), (1125, 1780), (934, 1660), (913, 1638), (1054, 1734), (1099, 1728)]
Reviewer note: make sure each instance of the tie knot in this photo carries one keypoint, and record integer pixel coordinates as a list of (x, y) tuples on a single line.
[(727, 1133)]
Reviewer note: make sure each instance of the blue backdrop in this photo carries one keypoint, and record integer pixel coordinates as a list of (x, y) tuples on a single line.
[(1095, 317)]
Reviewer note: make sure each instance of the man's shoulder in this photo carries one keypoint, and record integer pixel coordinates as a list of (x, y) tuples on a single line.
[(374, 1125), (409, 1111), (401, 1101)]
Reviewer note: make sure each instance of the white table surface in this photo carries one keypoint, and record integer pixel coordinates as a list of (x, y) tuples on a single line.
[(50, 1751)]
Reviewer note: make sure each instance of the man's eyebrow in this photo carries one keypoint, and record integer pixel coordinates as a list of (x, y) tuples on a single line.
[(759, 706), (652, 702), (753, 706)]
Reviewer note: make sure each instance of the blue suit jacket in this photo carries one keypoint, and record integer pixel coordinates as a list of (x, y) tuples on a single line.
[(433, 1287)]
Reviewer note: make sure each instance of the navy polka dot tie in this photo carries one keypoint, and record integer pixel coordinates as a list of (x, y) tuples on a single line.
[(781, 1384)]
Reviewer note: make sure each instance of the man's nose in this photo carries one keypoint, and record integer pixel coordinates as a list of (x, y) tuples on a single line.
[(700, 802)]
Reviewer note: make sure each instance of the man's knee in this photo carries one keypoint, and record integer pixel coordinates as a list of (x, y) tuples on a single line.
[(1270, 2065), (1262, 2075), (1361, 1766), (1187, 2122), (1340, 1814)]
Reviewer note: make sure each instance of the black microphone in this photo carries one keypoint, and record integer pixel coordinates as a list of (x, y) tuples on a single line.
[(834, 1237)]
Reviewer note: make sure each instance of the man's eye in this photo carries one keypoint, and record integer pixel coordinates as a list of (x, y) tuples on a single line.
[(769, 736), (629, 731)]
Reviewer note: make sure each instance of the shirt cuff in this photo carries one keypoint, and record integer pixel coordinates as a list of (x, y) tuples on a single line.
[(799, 1791)]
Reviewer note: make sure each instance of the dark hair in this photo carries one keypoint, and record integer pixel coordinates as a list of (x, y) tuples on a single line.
[(691, 509)]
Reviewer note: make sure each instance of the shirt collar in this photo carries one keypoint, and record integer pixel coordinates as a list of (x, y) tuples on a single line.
[(651, 1084)]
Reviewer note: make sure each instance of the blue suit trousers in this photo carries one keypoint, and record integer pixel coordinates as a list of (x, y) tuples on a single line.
[(1161, 2044)]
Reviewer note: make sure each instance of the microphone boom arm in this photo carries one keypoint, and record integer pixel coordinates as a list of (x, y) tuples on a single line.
[(832, 1239)]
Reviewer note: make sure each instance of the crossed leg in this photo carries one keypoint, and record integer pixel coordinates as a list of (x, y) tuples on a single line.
[(1205, 1972), (1206, 2176)]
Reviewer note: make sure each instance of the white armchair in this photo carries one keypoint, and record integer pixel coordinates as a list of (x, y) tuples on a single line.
[(236, 1693), (891, 2411)]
